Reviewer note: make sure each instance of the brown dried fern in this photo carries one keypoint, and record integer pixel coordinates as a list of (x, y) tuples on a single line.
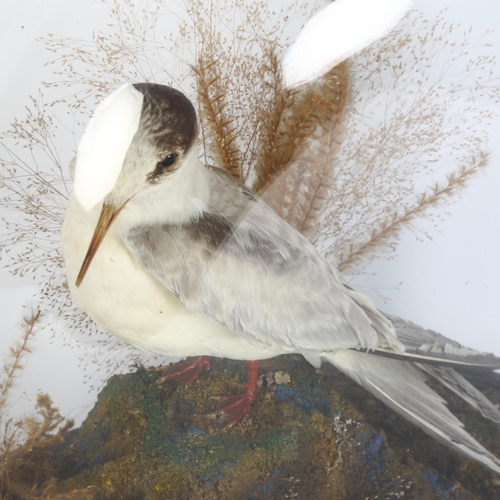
[(27, 464), (298, 195), (407, 124), (387, 233), (25, 447), (220, 131), (14, 363), (276, 148)]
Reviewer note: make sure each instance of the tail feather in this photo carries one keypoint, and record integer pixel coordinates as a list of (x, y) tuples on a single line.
[(461, 387), (427, 346), (401, 386)]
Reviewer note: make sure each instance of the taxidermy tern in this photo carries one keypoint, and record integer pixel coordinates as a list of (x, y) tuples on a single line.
[(178, 258)]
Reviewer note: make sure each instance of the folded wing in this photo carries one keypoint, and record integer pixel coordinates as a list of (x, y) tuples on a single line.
[(244, 267)]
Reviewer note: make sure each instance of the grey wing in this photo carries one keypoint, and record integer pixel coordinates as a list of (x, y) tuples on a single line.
[(244, 267), (427, 346), (450, 378), (440, 357)]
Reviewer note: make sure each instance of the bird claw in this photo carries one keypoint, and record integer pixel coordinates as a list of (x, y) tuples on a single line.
[(232, 408), (211, 416), (184, 371)]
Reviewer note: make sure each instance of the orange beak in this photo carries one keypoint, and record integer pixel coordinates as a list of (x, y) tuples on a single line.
[(108, 215)]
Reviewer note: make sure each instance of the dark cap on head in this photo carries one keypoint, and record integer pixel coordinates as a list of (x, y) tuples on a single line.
[(168, 116)]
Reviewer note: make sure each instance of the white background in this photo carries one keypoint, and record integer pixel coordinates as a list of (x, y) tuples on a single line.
[(450, 284)]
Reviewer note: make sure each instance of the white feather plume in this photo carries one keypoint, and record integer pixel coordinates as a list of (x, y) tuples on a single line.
[(104, 145), (337, 32), (401, 386)]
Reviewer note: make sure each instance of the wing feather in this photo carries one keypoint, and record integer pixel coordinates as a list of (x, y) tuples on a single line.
[(462, 387), (401, 386), (427, 346), (244, 267)]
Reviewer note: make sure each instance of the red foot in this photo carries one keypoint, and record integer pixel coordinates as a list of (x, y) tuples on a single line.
[(184, 371), (234, 408)]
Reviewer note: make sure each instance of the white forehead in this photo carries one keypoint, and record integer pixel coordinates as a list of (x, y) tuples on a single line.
[(104, 145)]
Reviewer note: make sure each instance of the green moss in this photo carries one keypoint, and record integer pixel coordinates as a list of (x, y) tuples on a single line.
[(302, 438)]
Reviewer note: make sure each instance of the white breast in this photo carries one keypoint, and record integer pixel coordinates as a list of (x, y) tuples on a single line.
[(127, 301)]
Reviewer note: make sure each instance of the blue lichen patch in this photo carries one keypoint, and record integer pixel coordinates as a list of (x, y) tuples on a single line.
[(445, 487), (371, 450)]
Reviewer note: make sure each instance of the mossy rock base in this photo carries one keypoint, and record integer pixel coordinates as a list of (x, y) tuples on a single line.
[(318, 436)]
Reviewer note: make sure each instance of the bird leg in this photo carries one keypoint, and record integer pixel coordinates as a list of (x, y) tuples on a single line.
[(234, 408), (184, 371)]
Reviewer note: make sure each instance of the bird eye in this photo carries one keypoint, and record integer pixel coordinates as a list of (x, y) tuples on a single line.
[(168, 161)]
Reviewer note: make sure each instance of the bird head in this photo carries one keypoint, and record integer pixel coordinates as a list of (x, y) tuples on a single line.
[(131, 153)]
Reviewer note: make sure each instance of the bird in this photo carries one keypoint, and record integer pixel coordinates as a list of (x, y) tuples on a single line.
[(178, 258)]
